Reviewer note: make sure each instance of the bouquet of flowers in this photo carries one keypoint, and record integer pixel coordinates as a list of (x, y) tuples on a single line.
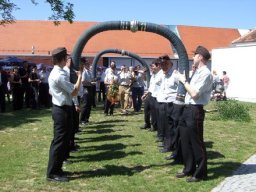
[(112, 94)]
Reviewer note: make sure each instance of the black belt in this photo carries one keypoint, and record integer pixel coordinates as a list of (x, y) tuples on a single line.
[(169, 104), (196, 105), (63, 106)]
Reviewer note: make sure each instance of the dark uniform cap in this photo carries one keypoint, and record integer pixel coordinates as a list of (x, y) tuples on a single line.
[(203, 51), (84, 60), (60, 51)]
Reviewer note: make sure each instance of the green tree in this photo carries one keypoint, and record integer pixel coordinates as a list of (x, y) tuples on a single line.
[(60, 11)]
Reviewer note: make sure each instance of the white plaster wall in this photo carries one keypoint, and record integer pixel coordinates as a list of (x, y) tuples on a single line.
[(240, 65)]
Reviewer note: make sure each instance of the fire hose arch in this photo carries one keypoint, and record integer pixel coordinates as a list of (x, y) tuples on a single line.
[(121, 52), (135, 26)]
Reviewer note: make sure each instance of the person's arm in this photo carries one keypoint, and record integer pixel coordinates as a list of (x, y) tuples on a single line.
[(191, 91), (78, 84)]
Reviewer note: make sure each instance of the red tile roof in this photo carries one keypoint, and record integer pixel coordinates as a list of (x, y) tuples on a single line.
[(208, 37), (18, 38)]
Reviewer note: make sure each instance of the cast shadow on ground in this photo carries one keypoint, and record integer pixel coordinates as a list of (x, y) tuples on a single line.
[(106, 138), (98, 131), (220, 169), (214, 155), (99, 126), (208, 144), (110, 121), (245, 169), (24, 116), (109, 147), (103, 156), (110, 170)]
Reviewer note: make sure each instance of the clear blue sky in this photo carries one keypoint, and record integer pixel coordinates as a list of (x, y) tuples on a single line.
[(208, 13)]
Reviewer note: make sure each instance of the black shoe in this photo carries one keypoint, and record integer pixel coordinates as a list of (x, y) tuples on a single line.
[(57, 178), (172, 156), (159, 139), (164, 150), (67, 162), (73, 150), (193, 179), (181, 175), (65, 173), (161, 145), (175, 162), (82, 123), (78, 131), (145, 126)]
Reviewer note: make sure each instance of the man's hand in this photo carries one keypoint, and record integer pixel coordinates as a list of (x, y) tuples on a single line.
[(181, 77), (78, 73), (77, 109)]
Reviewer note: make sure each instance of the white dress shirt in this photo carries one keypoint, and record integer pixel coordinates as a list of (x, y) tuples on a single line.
[(60, 87), (202, 83), (168, 89)]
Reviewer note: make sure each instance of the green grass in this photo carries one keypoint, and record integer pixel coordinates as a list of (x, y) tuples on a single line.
[(115, 154)]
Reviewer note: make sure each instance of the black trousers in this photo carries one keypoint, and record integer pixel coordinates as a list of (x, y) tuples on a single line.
[(154, 112), (17, 98), (59, 148), (76, 116), (166, 123), (175, 137), (34, 97), (93, 90), (147, 111), (102, 92), (109, 107), (75, 127), (2, 98), (26, 93), (44, 97), (86, 104), (192, 142)]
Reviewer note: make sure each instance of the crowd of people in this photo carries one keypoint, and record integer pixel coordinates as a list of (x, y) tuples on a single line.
[(179, 127), (25, 86), (73, 100), (220, 86)]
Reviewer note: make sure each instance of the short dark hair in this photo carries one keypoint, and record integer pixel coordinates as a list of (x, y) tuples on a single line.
[(156, 62), (164, 58), (84, 60)]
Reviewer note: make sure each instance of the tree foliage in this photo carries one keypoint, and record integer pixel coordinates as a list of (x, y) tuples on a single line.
[(60, 11)]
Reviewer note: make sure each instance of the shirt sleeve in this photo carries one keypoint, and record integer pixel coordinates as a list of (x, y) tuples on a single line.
[(65, 83), (204, 82)]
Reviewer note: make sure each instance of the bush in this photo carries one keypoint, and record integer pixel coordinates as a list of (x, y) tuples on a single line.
[(232, 110)]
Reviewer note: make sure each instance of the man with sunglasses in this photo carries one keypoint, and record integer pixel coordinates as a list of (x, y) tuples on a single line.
[(192, 119)]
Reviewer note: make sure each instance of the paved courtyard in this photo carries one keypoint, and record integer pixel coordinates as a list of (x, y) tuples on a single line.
[(242, 180)]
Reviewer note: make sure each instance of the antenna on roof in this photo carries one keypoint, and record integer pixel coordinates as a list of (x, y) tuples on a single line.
[(33, 49)]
